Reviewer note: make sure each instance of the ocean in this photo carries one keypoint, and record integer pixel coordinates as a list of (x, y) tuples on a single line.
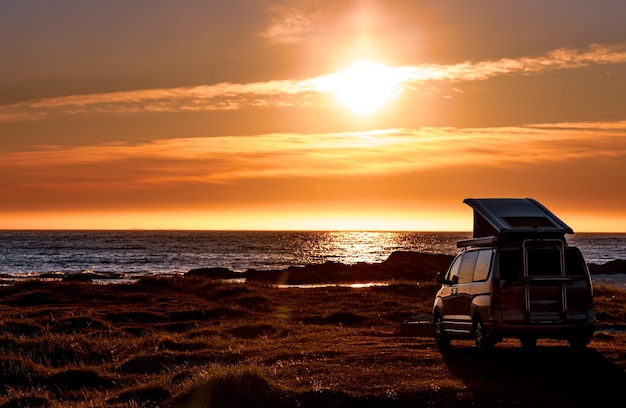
[(131, 254)]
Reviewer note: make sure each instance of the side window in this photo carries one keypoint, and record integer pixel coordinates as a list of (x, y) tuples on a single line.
[(466, 270), (454, 268), (483, 264), (574, 262)]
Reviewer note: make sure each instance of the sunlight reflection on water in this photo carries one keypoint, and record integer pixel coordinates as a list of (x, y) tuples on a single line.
[(351, 247)]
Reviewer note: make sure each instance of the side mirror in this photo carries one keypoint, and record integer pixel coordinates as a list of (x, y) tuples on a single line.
[(441, 278)]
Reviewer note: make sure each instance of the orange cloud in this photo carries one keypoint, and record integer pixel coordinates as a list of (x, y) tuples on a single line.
[(390, 174), (389, 151)]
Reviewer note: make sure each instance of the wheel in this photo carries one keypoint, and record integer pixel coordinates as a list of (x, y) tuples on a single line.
[(441, 338), (528, 341), (483, 340)]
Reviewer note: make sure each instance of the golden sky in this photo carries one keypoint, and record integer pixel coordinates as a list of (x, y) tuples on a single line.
[(322, 115)]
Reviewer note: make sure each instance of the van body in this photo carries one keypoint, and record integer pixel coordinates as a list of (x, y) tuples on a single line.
[(523, 281)]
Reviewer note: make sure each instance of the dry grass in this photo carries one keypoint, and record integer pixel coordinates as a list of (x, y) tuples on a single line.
[(198, 342)]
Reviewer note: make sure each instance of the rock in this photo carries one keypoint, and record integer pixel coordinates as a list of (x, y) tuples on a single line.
[(611, 267), (399, 265), (212, 273)]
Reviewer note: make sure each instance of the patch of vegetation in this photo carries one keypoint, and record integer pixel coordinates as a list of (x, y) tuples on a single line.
[(203, 342)]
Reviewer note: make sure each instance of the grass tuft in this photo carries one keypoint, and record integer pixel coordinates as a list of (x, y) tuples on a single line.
[(233, 387)]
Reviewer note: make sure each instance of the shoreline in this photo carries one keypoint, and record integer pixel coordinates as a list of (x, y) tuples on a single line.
[(400, 265)]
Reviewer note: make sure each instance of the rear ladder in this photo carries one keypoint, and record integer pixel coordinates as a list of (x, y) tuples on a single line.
[(545, 294)]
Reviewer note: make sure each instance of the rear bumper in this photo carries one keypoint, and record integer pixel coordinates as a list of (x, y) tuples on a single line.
[(541, 330)]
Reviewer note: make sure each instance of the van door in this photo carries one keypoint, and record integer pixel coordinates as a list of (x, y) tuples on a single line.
[(510, 267), (461, 302), (447, 294)]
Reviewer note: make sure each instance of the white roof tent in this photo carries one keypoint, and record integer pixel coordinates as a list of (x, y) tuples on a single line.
[(497, 220)]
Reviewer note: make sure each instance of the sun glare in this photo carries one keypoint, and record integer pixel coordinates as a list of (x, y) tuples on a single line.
[(364, 86)]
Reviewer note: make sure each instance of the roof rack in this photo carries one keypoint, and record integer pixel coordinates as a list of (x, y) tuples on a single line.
[(478, 242)]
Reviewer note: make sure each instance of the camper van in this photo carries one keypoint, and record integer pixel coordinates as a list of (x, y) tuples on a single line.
[(517, 277)]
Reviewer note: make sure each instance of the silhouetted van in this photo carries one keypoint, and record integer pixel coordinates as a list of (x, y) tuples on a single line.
[(517, 277)]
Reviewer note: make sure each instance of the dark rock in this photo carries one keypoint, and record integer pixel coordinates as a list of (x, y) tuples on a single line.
[(87, 276), (419, 262), (400, 265), (611, 267), (212, 273)]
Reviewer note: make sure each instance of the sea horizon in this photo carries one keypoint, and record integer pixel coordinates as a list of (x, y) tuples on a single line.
[(133, 253)]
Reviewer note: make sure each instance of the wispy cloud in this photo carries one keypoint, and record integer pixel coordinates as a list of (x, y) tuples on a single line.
[(292, 21), (306, 92)]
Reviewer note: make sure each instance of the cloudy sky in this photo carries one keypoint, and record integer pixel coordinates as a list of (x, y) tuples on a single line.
[(302, 114)]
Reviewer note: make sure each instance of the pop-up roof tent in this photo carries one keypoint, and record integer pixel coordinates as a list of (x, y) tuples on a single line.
[(502, 219)]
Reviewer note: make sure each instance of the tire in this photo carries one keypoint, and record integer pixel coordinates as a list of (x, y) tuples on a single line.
[(441, 338), (481, 337), (528, 342)]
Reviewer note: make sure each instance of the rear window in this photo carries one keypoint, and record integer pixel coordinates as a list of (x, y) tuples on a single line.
[(544, 262), (541, 262)]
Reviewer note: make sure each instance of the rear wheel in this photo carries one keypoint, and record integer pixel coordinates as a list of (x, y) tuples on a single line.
[(482, 338), (441, 338)]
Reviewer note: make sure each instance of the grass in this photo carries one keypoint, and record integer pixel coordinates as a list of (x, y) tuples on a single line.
[(201, 342)]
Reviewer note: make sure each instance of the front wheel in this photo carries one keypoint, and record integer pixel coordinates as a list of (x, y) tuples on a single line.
[(441, 338), (482, 338)]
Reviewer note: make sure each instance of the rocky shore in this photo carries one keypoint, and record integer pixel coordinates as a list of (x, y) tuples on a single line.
[(400, 265)]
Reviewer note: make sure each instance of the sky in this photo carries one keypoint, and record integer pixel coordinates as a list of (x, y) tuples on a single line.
[(309, 115)]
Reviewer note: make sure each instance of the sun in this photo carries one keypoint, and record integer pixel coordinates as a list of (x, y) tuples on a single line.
[(364, 87)]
